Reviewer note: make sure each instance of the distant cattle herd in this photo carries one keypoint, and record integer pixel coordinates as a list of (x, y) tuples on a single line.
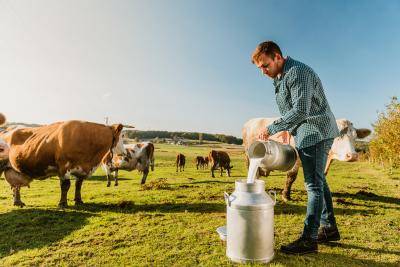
[(76, 149)]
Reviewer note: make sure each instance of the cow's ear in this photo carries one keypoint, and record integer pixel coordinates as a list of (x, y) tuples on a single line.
[(344, 130), (361, 133)]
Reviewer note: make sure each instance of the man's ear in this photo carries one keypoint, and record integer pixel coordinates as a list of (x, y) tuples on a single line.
[(278, 57)]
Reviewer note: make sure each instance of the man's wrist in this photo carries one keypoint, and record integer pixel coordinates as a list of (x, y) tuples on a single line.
[(271, 130)]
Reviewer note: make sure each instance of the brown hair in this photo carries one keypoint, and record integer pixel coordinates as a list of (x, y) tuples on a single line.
[(268, 48)]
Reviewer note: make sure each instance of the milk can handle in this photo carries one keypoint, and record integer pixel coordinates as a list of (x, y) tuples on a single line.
[(227, 201), (274, 193)]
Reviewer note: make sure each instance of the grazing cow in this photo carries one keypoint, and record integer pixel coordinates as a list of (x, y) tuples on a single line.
[(137, 157), (200, 162), (220, 159), (65, 149), (206, 161), (180, 162), (342, 148)]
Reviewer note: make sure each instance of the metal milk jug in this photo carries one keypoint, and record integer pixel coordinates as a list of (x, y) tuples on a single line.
[(250, 223), (273, 155)]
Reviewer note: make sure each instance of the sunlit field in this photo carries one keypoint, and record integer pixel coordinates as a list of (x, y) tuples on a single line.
[(172, 221)]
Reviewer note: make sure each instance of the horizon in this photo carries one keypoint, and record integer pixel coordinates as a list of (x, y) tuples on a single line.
[(185, 65)]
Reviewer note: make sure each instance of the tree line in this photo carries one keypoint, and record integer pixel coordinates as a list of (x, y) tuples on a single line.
[(229, 139)]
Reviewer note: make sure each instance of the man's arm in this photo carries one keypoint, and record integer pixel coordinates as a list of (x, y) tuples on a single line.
[(301, 90)]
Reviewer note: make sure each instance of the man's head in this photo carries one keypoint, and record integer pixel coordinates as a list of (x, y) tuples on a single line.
[(268, 58)]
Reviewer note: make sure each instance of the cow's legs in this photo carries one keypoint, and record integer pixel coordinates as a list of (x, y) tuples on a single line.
[(152, 165), (108, 179), (78, 186), (290, 178), (17, 196), (228, 171), (145, 173), (221, 171), (212, 171), (65, 185), (108, 172), (116, 177)]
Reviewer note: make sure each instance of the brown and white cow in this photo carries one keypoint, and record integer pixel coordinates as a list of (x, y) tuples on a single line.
[(220, 159), (342, 149), (65, 149), (137, 157), (180, 162)]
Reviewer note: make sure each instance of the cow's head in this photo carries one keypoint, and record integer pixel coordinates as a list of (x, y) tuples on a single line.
[(118, 142), (343, 147)]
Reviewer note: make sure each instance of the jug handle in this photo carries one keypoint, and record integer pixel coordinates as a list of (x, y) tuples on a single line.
[(227, 201), (274, 193)]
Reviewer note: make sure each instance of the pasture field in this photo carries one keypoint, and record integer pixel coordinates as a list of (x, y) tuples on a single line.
[(172, 221)]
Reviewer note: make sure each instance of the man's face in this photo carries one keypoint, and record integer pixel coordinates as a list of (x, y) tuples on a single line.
[(270, 67)]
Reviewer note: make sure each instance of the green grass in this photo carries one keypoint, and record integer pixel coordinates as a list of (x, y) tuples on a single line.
[(175, 225)]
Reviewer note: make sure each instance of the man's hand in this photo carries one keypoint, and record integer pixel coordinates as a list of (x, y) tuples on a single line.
[(284, 136), (263, 134)]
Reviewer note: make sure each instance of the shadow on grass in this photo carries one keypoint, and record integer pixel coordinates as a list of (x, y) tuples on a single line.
[(35, 228), (326, 259), (362, 195), (131, 207), (212, 182), (348, 246), (290, 208), (203, 207), (104, 178)]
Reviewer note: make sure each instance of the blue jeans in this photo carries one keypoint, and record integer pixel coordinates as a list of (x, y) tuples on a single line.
[(319, 198)]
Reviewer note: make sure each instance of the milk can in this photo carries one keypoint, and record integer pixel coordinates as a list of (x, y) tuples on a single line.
[(273, 155), (250, 223)]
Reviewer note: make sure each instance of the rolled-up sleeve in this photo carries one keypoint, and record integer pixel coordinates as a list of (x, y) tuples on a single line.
[(301, 89)]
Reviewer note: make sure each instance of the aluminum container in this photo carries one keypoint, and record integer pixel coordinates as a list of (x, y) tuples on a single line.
[(275, 156), (250, 223)]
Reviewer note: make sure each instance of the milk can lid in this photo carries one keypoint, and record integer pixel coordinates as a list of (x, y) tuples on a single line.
[(250, 196)]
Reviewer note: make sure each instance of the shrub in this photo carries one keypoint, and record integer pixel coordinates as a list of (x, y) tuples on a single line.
[(385, 145)]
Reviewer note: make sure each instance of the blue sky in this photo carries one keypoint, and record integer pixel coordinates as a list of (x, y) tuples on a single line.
[(185, 65)]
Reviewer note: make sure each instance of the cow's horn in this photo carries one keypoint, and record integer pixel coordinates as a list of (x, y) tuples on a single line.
[(128, 126)]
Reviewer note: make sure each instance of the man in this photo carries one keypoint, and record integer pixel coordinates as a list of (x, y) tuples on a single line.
[(306, 115)]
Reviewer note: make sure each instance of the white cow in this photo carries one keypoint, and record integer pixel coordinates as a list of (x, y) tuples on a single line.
[(342, 147), (137, 157)]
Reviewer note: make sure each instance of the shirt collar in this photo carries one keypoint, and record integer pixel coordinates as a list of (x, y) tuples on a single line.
[(286, 66)]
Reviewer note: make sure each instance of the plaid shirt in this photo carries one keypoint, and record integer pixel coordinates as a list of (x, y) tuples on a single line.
[(302, 103)]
